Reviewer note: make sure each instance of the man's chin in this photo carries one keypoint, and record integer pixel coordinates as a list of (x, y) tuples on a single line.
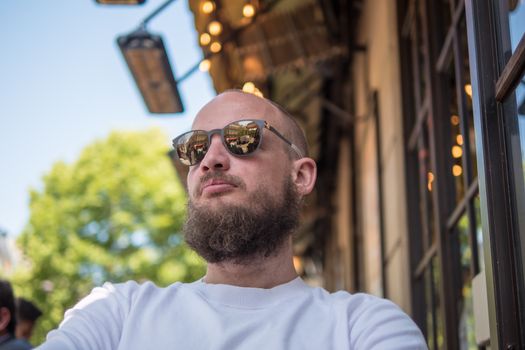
[(215, 204), (212, 200)]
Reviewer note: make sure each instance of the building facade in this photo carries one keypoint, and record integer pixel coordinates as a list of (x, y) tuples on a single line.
[(415, 113)]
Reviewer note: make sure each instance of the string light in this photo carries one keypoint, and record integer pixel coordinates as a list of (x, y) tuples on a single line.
[(205, 39), (457, 152), (248, 87), (208, 7), (454, 120), (430, 178), (457, 170), (468, 90), (215, 28), (205, 65), (298, 264), (215, 47), (248, 10), (459, 139)]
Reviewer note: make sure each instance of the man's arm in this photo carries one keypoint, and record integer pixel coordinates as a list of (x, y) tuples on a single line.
[(95, 322), (380, 324)]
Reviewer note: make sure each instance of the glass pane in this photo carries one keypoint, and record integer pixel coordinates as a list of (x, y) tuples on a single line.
[(435, 330), (479, 234), (420, 57), (465, 307), (462, 151), (447, 12), (517, 21), (520, 98), (467, 90), (426, 186), (517, 33), (456, 138), (457, 167)]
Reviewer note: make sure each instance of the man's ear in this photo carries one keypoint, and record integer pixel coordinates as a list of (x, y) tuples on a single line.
[(304, 175), (5, 318)]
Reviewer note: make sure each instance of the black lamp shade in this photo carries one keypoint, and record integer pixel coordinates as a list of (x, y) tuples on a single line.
[(148, 62), (121, 2)]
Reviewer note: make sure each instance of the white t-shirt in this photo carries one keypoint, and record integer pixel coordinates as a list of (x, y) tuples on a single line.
[(216, 316)]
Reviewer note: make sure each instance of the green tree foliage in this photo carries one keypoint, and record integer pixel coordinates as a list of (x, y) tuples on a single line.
[(113, 215)]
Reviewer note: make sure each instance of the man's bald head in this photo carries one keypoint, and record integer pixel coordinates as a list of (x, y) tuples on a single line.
[(271, 111)]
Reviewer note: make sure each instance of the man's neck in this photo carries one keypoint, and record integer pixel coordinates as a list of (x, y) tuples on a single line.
[(259, 273)]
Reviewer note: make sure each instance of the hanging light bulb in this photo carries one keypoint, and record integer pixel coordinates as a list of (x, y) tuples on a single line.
[(215, 28), (430, 180), (258, 93), (457, 152), (468, 90), (298, 264), (248, 10), (215, 47), (248, 87), (205, 39), (205, 65), (207, 7)]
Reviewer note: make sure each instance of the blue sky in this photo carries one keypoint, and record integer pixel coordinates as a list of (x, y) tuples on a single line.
[(63, 84)]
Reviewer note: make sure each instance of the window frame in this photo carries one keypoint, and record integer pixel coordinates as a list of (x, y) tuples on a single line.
[(496, 127)]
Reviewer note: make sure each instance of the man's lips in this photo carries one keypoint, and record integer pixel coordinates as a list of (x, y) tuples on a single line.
[(215, 186), (217, 183)]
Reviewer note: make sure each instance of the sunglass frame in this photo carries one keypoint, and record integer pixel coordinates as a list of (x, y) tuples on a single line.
[(261, 124)]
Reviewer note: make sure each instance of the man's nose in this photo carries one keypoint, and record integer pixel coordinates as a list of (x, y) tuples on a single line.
[(217, 157)]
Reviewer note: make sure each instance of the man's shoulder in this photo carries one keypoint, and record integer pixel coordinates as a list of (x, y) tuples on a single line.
[(137, 287), (134, 289), (351, 303), (364, 306), (345, 297), (125, 294), (364, 302), (374, 320)]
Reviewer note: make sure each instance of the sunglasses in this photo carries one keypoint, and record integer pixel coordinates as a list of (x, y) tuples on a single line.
[(240, 138)]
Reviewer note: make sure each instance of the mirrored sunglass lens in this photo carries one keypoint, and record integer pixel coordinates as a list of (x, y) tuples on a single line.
[(242, 137), (192, 146)]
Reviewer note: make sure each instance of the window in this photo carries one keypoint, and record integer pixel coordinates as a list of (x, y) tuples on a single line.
[(440, 143)]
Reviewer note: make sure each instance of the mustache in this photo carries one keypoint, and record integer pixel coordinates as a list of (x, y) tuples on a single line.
[(232, 179)]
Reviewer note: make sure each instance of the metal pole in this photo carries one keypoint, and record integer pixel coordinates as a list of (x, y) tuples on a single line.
[(155, 13)]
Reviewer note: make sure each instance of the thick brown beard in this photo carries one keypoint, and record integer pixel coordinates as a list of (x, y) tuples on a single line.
[(235, 233)]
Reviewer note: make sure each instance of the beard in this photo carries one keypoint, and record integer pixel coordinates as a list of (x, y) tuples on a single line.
[(240, 233)]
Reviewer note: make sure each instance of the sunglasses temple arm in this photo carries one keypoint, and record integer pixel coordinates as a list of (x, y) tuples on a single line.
[(294, 147), (297, 150)]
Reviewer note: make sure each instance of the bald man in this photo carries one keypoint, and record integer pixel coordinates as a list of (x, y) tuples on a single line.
[(248, 173)]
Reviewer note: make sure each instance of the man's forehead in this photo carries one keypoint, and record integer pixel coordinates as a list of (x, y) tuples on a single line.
[(231, 106)]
